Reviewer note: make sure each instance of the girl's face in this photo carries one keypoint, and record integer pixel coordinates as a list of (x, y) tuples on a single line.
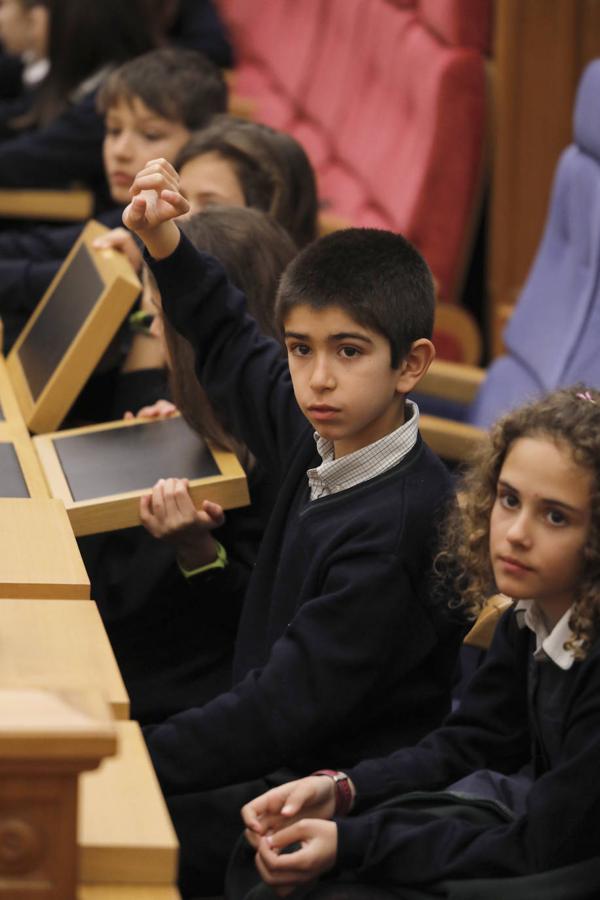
[(23, 29), (210, 179), (539, 525)]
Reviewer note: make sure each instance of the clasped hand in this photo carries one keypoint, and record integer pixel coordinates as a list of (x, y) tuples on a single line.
[(294, 813)]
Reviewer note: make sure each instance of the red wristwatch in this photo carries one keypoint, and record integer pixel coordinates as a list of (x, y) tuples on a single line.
[(343, 791)]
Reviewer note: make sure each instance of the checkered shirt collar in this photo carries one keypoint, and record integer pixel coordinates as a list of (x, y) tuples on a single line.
[(334, 475)]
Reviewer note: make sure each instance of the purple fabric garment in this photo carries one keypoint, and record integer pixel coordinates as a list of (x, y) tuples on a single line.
[(552, 339)]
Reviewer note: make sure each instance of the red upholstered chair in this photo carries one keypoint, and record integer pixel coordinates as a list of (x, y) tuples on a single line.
[(421, 172), (389, 99), (275, 44)]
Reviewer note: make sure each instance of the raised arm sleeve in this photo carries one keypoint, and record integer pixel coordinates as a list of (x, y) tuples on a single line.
[(244, 373)]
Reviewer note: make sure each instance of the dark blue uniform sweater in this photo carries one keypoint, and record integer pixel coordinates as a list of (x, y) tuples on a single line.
[(497, 727), (340, 652)]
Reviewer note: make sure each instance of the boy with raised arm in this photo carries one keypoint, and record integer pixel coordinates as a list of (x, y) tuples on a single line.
[(340, 653)]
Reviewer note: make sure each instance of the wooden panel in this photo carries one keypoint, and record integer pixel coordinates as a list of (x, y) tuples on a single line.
[(19, 463), (58, 643), (54, 726), (126, 892), (125, 833), (112, 456), (70, 329), (39, 556), (452, 381), (455, 441), (73, 205), (46, 740), (542, 47), (10, 411)]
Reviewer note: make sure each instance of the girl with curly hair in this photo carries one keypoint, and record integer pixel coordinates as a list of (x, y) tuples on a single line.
[(506, 791)]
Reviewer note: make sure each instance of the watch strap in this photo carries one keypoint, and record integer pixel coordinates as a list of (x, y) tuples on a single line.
[(343, 791)]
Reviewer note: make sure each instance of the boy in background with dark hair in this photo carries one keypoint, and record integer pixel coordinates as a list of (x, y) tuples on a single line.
[(151, 105), (341, 580)]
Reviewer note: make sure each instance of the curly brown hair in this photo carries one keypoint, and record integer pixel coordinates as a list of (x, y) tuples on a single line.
[(571, 419)]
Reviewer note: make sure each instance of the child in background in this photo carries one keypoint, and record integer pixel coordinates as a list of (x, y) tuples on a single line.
[(64, 143), (343, 567), (255, 165), (508, 785), (149, 104), (230, 162), (24, 33), (173, 634), (233, 162)]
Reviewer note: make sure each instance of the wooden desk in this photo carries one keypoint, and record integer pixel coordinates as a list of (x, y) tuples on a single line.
[(126, 892), (125, 834), (39, 556), (68, 205), (59, 642), (46, 740)]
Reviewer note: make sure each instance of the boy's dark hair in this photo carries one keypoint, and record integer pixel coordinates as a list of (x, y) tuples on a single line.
[(272, 168), (376, 276), (180, 85)]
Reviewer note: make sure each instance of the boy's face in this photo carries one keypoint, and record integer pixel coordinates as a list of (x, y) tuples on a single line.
[(134, 135), (209, 179), (343, 379)]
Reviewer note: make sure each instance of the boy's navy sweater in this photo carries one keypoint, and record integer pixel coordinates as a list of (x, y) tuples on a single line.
[(497, 728), (340, 652)]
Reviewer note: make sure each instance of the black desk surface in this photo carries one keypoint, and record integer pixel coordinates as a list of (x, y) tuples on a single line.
[(73, 299), (115, 461), (12, 483)]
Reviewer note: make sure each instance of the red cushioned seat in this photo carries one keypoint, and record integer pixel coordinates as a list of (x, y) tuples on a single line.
[(388, 98), (420, 171), (334, 84)]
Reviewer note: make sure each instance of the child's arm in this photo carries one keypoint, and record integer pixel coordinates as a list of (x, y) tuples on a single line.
[(169, 514), (244, 373)]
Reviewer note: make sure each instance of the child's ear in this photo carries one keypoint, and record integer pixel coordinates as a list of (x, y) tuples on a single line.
[(414, 365)]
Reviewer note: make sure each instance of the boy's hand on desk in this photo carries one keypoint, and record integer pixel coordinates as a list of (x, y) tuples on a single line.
[(169, 514), (120, 239), (312, 797), (156, 200), (317, 852)]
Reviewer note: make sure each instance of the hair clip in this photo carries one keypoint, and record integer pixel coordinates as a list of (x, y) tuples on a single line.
[(585, 395)]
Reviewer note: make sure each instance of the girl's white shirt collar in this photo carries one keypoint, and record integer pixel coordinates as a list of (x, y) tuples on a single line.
[(548, 644)]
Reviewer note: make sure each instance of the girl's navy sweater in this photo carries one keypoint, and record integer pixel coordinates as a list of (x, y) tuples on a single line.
[(498, 727), (340, 654)]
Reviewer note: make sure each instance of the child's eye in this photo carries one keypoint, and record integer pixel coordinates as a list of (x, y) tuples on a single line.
[(556, 517), (349, 352), (113, 131), (299, 349), (153, 136), (508, 501)]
